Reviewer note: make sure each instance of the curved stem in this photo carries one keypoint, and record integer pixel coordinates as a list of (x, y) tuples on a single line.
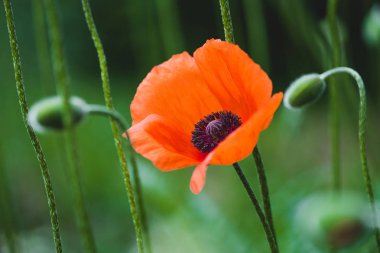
[(63, 88), (32, 135), (102, 110), (118, 144), (264, 189), (362, 144), (333, 107), (256, 204)]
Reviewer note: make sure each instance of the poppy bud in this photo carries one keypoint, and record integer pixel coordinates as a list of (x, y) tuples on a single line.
[(334, 221), (304, 91), (47, 114)]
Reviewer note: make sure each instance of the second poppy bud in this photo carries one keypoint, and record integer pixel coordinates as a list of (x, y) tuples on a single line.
[(304, 91)]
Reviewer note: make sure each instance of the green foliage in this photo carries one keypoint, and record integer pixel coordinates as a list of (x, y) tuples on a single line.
[(137, 35)]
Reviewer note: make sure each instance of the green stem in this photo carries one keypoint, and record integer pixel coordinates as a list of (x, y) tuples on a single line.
[(32, 135), (256, 204), (333, 26), (42, 46), (83, 220), (62, 83), (333, 107), (108, 100), (264, 189), (104, 111), (266, 221), (6, 217), (139, 199), (227, 22), (169, 26), (254, 14), (362, 132)]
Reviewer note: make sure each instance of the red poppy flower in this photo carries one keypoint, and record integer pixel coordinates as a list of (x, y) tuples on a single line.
[(201, 110)]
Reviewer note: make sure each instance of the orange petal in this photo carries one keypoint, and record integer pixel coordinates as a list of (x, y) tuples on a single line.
[(176, 91), (198, 179), (168, 147), (240, 143), (239, 84)]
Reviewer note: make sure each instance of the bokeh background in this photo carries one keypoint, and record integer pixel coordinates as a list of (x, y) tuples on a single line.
[(287, 38)]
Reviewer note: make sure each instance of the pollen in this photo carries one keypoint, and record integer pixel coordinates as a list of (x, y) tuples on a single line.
[(213, 129)]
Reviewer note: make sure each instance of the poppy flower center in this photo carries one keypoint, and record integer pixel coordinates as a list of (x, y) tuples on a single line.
[(213, 129)]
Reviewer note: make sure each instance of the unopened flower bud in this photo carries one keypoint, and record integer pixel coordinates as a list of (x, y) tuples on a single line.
[(332, 221), (304, 91), (47, 114)]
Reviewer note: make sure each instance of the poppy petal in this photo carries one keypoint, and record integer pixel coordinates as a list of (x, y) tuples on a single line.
[(240, 143), (238, 83), (163, 144), (198, 179), (176, 91)]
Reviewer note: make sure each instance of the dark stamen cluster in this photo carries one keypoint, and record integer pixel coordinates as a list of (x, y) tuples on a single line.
[(214, 128)]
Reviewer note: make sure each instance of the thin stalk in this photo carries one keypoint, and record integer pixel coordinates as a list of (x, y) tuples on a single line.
[(169, 26), (62, 83), (104, 111), (227, 22), (108, 100), (264, 189), (268, 232), (333, 27), (362, 144), (266, 221), (32, 135), (42, 46), (140, 200), (257, 32), (6, 217), (333, 92), (79, 205)]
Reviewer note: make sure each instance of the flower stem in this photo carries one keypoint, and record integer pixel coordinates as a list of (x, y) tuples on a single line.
[(362, 144), (32, 135), (333, 26), (268, 232), (168, 22), (254, 14), (227, 22), (108, 100), (62, 84), (104, 111), (139, 199), (264, 189), (333, 107), (6, 217), (266, 221), (42, 47)]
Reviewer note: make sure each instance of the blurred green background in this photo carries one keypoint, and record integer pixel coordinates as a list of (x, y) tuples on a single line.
[(286, 37)]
